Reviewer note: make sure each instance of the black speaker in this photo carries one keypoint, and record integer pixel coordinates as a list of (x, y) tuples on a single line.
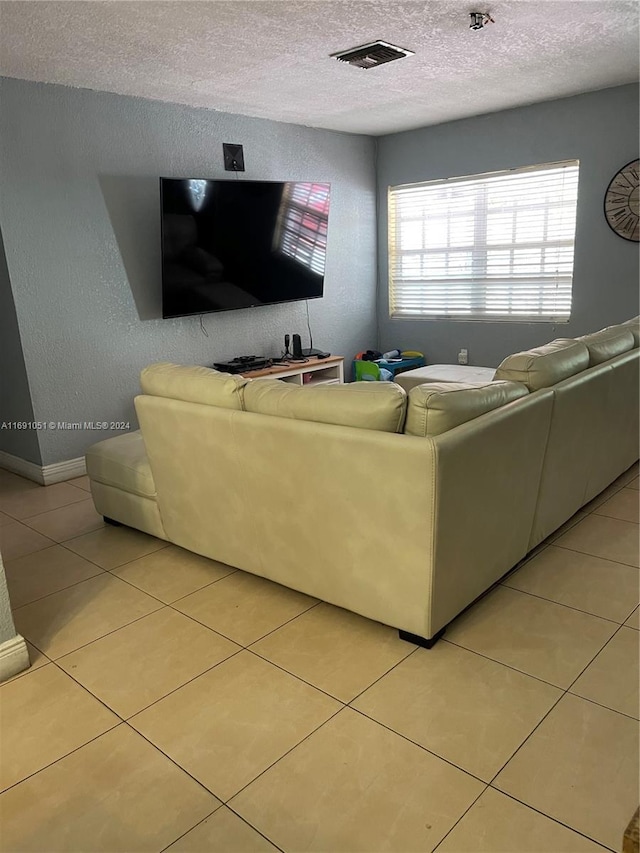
[(297, 347)]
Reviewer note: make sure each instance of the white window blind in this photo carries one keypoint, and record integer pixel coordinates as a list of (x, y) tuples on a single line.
[(497, 246), (304, 218)]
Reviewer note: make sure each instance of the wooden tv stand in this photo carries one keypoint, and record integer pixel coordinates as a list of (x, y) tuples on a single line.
[(313, 371)]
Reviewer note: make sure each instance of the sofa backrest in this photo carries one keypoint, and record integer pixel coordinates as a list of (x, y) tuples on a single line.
[(607, 343), (576, 423), (436, 407), (542, 367), (617, 440), (593, 438), (193, 384), (634, 326), (366, 405)]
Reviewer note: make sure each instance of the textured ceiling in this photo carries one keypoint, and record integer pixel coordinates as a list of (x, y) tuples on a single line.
[(271, 59)]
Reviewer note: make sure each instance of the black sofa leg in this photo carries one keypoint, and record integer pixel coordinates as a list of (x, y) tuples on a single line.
[(422, 641), (112, 521)]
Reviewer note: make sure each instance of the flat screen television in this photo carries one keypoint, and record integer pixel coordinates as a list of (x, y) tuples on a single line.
[(237, 244)]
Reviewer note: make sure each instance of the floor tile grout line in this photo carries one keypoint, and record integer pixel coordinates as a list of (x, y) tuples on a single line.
[(91, 577), (175, 763), (213, 666), (600, 705), (179, 612), (465, 812), (317, 603), (502, 663), (615, 517), (28, 553), (419, 745), (68, 538), (173, 690), (551, 817), (292, 619), (284, 755), (244, 819), (222, 800), (126, 562), (54, 544), (581, 673), (624, 624), (116, 725), (587, 554), (568, 606), (24, 518), (57, 509), (151, 704), (23, 672), (600, 503), (91, 693), (565, 692), (222, 806), (186, 832), (294, 675), (528, 557), (95, 639), (175, 600), (15, 608), (208, 627), (30, 530), (380, 677), (529, 736), (133, 586)]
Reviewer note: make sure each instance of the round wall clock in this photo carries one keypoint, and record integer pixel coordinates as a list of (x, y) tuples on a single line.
[(621, 202)]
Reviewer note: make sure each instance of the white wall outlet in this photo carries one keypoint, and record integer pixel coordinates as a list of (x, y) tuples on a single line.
[(463, 356)]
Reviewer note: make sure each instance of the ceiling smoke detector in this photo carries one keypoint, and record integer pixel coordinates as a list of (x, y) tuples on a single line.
[(371, 55), (479, 19)]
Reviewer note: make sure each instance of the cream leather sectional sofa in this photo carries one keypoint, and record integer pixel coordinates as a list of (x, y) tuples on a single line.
[(401, 507)]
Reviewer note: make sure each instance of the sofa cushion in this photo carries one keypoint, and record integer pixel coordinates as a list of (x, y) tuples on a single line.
[(437, 407), (544, 366), (634, 326), (193, 384), (607, 343), (122, 462), (367, 405)]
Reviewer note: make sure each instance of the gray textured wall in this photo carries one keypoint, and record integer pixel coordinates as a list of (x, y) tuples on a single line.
[(15, 396), (601, 130), (80, 213)]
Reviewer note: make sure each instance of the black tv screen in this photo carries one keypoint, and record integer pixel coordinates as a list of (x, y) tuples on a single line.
[(238, 244)]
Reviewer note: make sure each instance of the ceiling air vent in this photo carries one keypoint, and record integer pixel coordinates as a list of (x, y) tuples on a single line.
[(372, 54)]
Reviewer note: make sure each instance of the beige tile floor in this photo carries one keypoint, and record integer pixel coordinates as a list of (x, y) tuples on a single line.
[(177, 704)]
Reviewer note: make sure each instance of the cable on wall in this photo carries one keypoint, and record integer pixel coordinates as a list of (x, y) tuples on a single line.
[(306, 302)]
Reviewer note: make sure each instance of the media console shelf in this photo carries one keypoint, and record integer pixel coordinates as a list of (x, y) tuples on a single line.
[(313, 371)]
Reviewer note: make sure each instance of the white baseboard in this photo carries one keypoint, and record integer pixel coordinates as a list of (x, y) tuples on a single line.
[(67, 470), (43, 474), (14, 657)]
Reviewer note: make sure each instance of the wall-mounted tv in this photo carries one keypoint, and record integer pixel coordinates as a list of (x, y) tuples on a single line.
[(237, 244)]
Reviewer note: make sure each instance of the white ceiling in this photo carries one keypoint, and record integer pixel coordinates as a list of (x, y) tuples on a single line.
[(271, 59)]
